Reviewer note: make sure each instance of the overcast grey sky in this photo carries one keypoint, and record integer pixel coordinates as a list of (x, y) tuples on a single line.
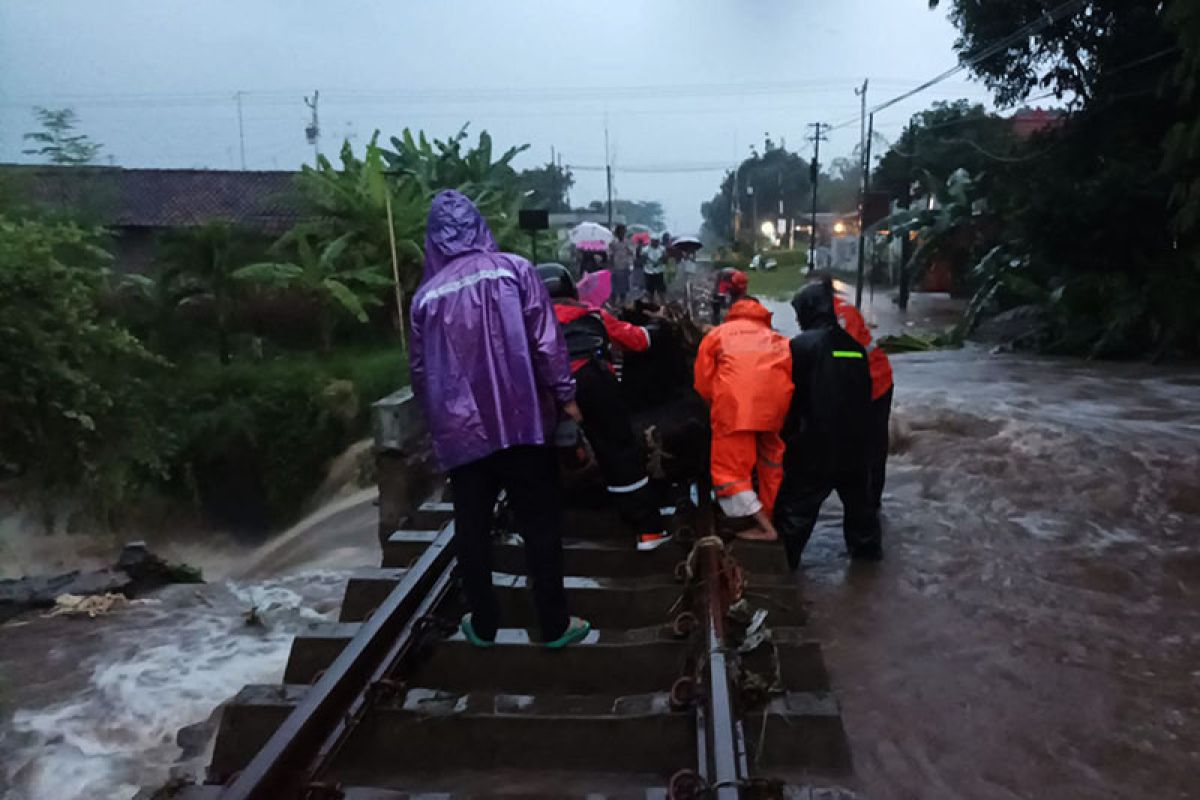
[(686, 85)]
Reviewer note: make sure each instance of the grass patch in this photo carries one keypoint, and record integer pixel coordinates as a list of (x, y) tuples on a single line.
[(778, 284)]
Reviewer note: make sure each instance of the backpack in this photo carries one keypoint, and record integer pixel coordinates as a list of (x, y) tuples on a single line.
[(587, 337)]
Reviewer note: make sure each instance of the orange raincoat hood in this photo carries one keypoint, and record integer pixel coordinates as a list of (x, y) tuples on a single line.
[(750, 310)]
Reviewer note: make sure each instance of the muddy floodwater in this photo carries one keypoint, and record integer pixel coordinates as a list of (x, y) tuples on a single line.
[(1034, 631)]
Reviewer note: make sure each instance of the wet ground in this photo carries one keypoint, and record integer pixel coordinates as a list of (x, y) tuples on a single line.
[(1034, 631)]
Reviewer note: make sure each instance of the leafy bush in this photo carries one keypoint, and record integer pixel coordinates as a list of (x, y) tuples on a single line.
[(257, 437), (79, 413)]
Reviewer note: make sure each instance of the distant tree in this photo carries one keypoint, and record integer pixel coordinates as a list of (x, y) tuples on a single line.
[(940, 140), (634, 212), (1067, 57), (839, 188), (546, 187), (57, 142), (775, 182)]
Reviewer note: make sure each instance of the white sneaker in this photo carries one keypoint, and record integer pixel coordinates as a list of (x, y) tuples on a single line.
[(652, 541)]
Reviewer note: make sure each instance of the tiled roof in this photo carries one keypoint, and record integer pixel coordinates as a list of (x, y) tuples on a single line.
[(162, 198)]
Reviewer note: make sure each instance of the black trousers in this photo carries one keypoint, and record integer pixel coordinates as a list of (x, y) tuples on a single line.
[(609, 429), (881, 413), (799, 504), (656, 284), (529, 475)]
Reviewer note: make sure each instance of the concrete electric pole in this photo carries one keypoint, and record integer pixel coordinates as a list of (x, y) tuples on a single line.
[(819, 134)]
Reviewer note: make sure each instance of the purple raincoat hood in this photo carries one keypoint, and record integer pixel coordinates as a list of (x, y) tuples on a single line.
[(455, 228)]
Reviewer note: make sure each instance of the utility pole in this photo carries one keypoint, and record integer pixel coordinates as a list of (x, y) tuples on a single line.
[(241, 130), (608, 173), (754, 229), (864, 151), (819, 131), (313, 131), (566, 191), (737, 204), (780, 218)]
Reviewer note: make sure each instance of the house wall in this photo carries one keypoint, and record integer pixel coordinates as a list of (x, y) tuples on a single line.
[(134, 249)]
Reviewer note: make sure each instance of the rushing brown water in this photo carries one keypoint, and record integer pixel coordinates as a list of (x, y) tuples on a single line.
[(1034, 630), (90, 708)]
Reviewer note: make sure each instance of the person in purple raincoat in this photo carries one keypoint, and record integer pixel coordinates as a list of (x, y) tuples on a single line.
[(490, 368)]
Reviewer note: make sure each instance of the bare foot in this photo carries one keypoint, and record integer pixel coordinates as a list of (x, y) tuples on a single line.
[(758, 534)]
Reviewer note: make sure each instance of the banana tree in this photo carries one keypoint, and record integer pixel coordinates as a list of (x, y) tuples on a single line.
[(450, 164), (196, 266), (447, 164), (336, 278), (372, 210), (946, 230)]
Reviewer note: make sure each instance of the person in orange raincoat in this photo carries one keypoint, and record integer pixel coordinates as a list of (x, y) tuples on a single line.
[(882, 386), (744, 373)]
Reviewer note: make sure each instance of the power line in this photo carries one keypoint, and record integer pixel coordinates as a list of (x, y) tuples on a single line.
[(448, 96), (654, 168), (1047, 19)]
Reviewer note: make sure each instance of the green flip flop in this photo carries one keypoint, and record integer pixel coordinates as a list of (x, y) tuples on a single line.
[(576, 630), (469, 631)]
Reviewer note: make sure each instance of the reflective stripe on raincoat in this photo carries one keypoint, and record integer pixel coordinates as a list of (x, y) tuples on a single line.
[(744, 371), (852, 322), (488, 360)]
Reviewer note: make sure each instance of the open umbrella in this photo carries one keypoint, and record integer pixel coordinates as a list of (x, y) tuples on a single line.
[(587, 232), (595, 288), (686, 243), (641, 237)]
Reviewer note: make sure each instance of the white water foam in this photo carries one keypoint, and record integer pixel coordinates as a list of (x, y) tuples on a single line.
[(161, 668)]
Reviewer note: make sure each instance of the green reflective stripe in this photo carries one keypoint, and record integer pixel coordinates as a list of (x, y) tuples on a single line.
[(847, 354)]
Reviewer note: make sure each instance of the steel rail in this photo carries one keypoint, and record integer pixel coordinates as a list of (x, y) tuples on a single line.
[(280, 767), (722, 751), (379, 686)]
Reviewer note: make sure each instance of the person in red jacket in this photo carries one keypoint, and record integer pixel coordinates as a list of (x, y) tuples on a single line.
[(732, 285), (882, 386), (590, 333), (744, 373)]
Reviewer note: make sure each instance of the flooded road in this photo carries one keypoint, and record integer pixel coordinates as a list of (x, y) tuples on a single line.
[(1034, 631)]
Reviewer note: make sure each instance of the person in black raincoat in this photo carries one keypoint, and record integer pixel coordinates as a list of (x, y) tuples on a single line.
[(827, 432)]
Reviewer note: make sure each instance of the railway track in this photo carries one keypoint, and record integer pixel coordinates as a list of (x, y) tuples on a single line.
[(698, 680)]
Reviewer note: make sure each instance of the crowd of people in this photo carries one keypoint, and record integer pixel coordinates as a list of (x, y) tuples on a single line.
[(639, 268), (510, 365)]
